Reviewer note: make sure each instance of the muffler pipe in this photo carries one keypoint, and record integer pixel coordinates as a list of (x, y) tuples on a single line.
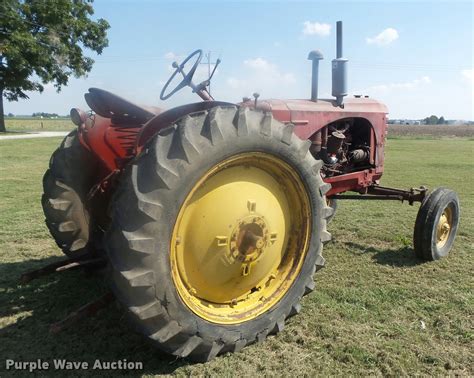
[(339, 39), (339, 69), (315, 56)]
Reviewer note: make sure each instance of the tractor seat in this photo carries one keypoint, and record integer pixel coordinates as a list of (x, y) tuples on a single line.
[(109, 105)]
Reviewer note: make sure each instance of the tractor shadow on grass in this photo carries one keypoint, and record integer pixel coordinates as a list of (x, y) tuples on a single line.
[(401, 257), (28, 310)]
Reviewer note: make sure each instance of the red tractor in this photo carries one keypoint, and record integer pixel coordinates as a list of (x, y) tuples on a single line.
[(212, 216)]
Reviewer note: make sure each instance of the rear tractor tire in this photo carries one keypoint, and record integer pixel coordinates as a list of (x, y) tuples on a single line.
[(65, 185), (217, 230), (436, 224)]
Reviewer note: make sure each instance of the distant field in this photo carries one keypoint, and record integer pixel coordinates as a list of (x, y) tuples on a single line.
[(38, 124), (394, 131), (376, 309), (433, 131)]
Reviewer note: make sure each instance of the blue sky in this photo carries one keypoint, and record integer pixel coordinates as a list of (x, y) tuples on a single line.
[(417, 57)]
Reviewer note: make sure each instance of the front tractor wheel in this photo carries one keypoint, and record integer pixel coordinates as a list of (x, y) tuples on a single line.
[(436, 224), (217, 231)]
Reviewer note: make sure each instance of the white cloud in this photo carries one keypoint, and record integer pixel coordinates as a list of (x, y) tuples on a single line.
[(269, 70), (316, 28), (257, 63), (260, 75), (425, 80), (408, 85), (170, 55), (468, 75), (384, 38), (234, 83)]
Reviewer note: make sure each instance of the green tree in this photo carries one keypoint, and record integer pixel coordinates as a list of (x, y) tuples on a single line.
[(431, 120), (441, 121), (42, 41)]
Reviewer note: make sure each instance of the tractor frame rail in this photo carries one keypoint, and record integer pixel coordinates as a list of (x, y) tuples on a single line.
[(89, 309), (376, 192), (61, 266)]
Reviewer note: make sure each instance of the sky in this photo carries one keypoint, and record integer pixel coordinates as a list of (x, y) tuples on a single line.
[(416, 57)]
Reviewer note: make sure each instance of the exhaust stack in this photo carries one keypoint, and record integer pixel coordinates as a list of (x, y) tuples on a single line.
[(315, 56), (339, 69)]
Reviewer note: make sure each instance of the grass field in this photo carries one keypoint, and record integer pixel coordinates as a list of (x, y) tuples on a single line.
[(18, 125), (376, 310), (431, 131)]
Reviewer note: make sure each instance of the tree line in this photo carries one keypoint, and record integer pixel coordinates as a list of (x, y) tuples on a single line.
[(45, 115), (434, 120), (38, 115)]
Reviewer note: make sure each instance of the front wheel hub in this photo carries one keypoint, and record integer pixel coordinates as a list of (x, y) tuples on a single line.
[(443, 227), (240, 238)]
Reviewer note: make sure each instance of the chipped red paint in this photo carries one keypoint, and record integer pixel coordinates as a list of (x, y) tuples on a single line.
[(113, 145)]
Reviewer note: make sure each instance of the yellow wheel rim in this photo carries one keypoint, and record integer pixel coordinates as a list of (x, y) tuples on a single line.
[(444, 226), (240, 238)]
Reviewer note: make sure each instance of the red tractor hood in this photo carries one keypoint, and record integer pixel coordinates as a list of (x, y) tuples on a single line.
[(310, 115)]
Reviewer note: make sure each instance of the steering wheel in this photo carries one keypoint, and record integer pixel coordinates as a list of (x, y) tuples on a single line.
[(187, 78)]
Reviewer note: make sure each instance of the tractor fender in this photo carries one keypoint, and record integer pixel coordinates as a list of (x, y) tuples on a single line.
[(162, 120)]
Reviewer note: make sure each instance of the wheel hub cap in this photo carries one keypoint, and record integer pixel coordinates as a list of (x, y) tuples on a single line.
[(443, 228)]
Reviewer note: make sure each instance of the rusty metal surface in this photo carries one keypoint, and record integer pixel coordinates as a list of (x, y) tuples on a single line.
[(351, 105), (354, 181), (376, 192), (367, 197), (412, 195)]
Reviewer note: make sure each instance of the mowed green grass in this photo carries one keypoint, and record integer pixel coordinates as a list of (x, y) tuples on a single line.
[(376, 309), (18, 125)]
